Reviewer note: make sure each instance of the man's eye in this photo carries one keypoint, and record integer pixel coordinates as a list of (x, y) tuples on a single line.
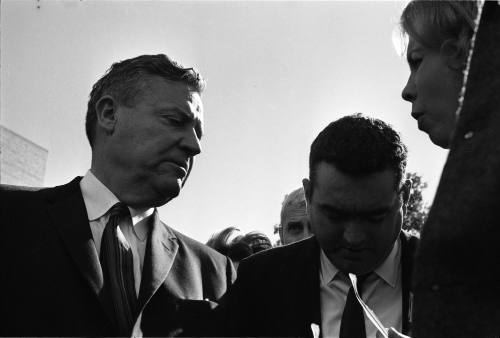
[(376, 218), (294, 226), (174, 119), (336, 216)]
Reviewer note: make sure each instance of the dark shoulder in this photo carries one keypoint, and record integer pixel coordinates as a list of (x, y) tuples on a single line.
[(197, 247), (19, 188), (281, 256), (16, 192), (13, 195), (409, 246), (410, 239), (26, 203)]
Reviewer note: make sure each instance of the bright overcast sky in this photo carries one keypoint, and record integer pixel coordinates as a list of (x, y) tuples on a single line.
[(277, 73)]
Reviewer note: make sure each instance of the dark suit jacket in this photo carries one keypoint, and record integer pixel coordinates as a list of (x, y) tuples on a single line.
[(277, 293), (51, 279)]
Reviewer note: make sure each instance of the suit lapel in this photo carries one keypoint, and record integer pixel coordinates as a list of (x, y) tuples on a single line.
[(408, 248), (67, 211), (160, 255)]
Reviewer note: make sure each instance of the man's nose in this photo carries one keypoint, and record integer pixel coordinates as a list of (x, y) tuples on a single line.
[(409, 92), (191, 143), (354, 234)]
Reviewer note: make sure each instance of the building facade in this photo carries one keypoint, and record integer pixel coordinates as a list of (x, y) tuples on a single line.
[(22, 162)]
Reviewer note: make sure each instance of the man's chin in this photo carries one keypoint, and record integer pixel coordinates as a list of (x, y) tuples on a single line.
[(357, 267), (168, 191)]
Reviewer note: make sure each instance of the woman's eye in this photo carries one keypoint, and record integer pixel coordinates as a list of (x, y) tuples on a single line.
[(376, 218), (415, 62)]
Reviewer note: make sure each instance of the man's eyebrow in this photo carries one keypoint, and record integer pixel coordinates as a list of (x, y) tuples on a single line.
[(187, 115), (369, 211), (378, 210), (332, 208), (294, 223), (177, 110)]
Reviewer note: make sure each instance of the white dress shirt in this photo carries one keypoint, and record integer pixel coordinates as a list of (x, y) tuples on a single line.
[(98, 200), (381, 292)]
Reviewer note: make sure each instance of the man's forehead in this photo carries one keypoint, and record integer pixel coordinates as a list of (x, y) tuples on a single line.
[(294, 214), (177, 96), (351, 193), (359, 204), (196, 103)]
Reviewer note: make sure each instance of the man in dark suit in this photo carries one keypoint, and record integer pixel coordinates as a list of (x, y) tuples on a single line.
[(356, 200), (91, 257)]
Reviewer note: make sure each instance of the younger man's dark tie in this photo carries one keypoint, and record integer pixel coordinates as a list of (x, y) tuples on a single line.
[(353, 318), (118, 271)]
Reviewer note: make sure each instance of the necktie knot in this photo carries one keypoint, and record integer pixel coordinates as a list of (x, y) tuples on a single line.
[(118, 210), (360, 281)]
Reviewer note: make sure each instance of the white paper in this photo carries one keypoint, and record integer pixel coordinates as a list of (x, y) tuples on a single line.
[(369, 313)]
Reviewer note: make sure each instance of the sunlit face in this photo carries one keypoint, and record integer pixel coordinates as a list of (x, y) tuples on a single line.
[(295, 224), (433, 89), (153, 141), (356, 220)]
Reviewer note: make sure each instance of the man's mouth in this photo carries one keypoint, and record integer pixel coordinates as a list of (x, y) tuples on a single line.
[(180, 167), (350, 251), (180, 163), (416, 115)]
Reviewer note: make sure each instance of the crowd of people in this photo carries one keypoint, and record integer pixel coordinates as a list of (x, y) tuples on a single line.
[(96, 260)]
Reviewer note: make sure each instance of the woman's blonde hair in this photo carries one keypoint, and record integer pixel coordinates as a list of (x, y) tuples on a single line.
[(433, 22)]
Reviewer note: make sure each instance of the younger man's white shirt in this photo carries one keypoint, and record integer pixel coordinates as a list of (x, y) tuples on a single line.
[(382, 292)]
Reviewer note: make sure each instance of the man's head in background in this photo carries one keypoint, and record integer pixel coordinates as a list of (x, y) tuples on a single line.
[(356, 193), (144, 123), (237, 246), (294, 223)]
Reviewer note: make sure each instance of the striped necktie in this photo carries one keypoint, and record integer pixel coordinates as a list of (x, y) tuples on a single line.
[(118, 271)]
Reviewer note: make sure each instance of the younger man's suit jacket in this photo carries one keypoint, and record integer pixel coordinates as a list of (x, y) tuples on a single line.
[(277, 291)]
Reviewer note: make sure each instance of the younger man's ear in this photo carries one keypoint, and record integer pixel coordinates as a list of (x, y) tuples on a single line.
[(454, 54), (307, 192), (406, 192), (105, 109)]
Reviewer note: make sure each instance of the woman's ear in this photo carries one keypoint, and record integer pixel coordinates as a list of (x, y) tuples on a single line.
[(454, 53)]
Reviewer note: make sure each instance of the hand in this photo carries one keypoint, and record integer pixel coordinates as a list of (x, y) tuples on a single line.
[(395, 334), (392, 334), (175, 333)]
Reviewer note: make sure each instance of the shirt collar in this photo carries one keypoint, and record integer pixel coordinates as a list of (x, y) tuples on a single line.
[(328, 271), (387, 271), (99, 199)]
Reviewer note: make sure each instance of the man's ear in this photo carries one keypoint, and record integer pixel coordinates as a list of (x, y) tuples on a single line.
[(406, 193), (306, 183), (105, 109), (454, 54)]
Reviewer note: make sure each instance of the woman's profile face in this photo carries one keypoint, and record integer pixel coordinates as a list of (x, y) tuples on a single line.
[(433, 88)]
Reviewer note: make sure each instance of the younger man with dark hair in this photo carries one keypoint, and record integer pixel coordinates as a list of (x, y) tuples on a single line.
[(356, 201)]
